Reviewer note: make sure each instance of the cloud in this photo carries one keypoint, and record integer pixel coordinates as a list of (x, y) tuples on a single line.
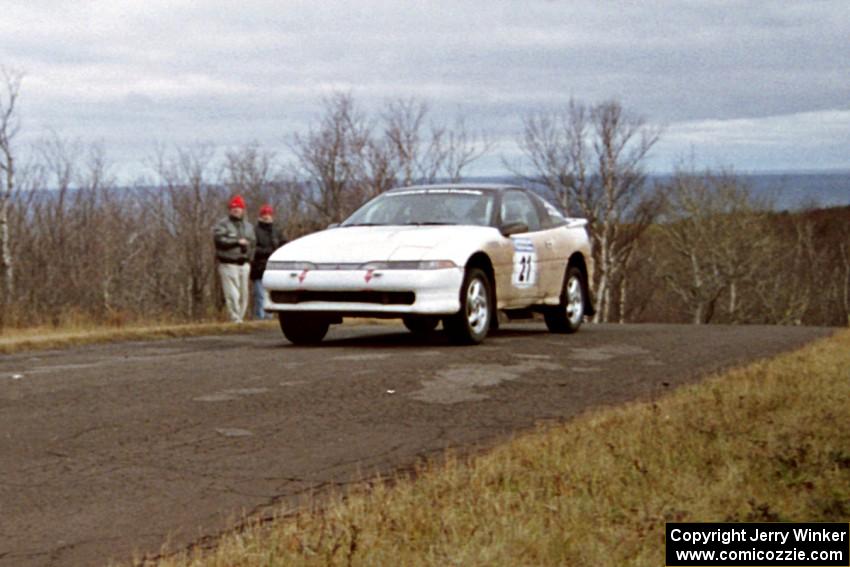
[(802, 141), (174, 65)]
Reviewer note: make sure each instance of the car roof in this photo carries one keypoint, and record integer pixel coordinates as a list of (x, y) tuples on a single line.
[(461, 186)]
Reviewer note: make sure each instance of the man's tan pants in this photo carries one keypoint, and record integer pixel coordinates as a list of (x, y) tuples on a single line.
[(234, 283)]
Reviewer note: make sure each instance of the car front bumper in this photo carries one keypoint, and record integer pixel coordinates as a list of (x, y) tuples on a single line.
[(364, 293)]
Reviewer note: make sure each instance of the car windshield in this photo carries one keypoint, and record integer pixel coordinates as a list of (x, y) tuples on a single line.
[(426, 207)]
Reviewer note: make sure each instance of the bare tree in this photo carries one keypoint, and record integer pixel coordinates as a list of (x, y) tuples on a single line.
[(112, 221), (617, 209), (793, 274), (379, 168), (691, 266), (591, 159), (249, 170), (329, 158), (718, 240), (416, 157), (294, 213), (461, 148), (349, 157), (193, 202), (424, 152), (554, 144), (641, 298), (9, 126), (78, 238), (59, 159)]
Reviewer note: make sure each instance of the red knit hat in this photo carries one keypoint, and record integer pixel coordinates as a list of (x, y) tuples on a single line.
[(237, 202), (266, 209)]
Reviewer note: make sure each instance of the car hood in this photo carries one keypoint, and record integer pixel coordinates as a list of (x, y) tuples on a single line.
[(378, 243)]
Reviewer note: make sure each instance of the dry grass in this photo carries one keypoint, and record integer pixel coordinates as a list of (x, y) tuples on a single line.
[(80, 331), (765, 442), (40, 338)]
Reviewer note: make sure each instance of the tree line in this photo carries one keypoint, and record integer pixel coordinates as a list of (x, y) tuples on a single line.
[(698, 247)]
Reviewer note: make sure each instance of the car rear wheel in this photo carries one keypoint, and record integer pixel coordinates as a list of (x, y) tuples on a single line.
[(303, 329), (567, 317), (421, 325), (471, 324)]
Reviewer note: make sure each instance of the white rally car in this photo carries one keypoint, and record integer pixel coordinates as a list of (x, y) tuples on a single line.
[(455, 253)]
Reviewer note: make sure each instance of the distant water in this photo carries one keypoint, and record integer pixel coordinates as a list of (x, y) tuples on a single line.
[(802, 190), (787, 191)]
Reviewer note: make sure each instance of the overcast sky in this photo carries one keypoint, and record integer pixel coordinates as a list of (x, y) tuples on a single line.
[(754, 85)]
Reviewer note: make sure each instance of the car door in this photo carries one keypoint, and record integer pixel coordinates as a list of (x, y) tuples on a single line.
[(558, 244), (524, 288)]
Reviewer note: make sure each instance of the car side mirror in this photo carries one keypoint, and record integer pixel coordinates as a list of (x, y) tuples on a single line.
[(513, 228), (333, 225)]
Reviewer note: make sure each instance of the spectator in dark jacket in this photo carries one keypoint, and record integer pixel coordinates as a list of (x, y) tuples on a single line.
[(268, 240)]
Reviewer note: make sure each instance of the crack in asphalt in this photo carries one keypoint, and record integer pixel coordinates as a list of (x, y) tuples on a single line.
[(463, 382)]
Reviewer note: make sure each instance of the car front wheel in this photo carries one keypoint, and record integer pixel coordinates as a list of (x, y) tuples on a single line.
[(567, 317), (471, 324), (303, 329)]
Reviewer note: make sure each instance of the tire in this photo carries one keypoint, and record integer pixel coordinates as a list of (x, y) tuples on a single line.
[(303, 329), (470, 325), (567, 317), (421, 325)]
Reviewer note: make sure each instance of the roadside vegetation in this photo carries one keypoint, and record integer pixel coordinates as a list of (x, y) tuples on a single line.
[(696, 246), (68, 335), (766, 442)]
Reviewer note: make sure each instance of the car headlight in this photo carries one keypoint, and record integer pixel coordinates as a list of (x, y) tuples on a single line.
[(409, 265), (294, 266)]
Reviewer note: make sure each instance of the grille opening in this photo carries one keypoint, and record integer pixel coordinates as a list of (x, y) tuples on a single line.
[(376, 297)]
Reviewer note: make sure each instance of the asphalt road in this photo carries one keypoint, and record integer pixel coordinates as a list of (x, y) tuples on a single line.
[(107, 451)]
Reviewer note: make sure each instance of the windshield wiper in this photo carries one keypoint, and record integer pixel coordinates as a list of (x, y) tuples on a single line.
[(428, 223), (362, 224)]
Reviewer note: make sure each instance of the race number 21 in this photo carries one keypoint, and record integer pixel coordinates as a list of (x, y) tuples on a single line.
[(525, 264)]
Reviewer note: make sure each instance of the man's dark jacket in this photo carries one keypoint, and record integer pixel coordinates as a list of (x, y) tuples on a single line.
[(268, 240)]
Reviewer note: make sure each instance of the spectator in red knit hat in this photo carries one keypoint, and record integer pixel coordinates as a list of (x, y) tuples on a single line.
[(234, 248), (268, 240)]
